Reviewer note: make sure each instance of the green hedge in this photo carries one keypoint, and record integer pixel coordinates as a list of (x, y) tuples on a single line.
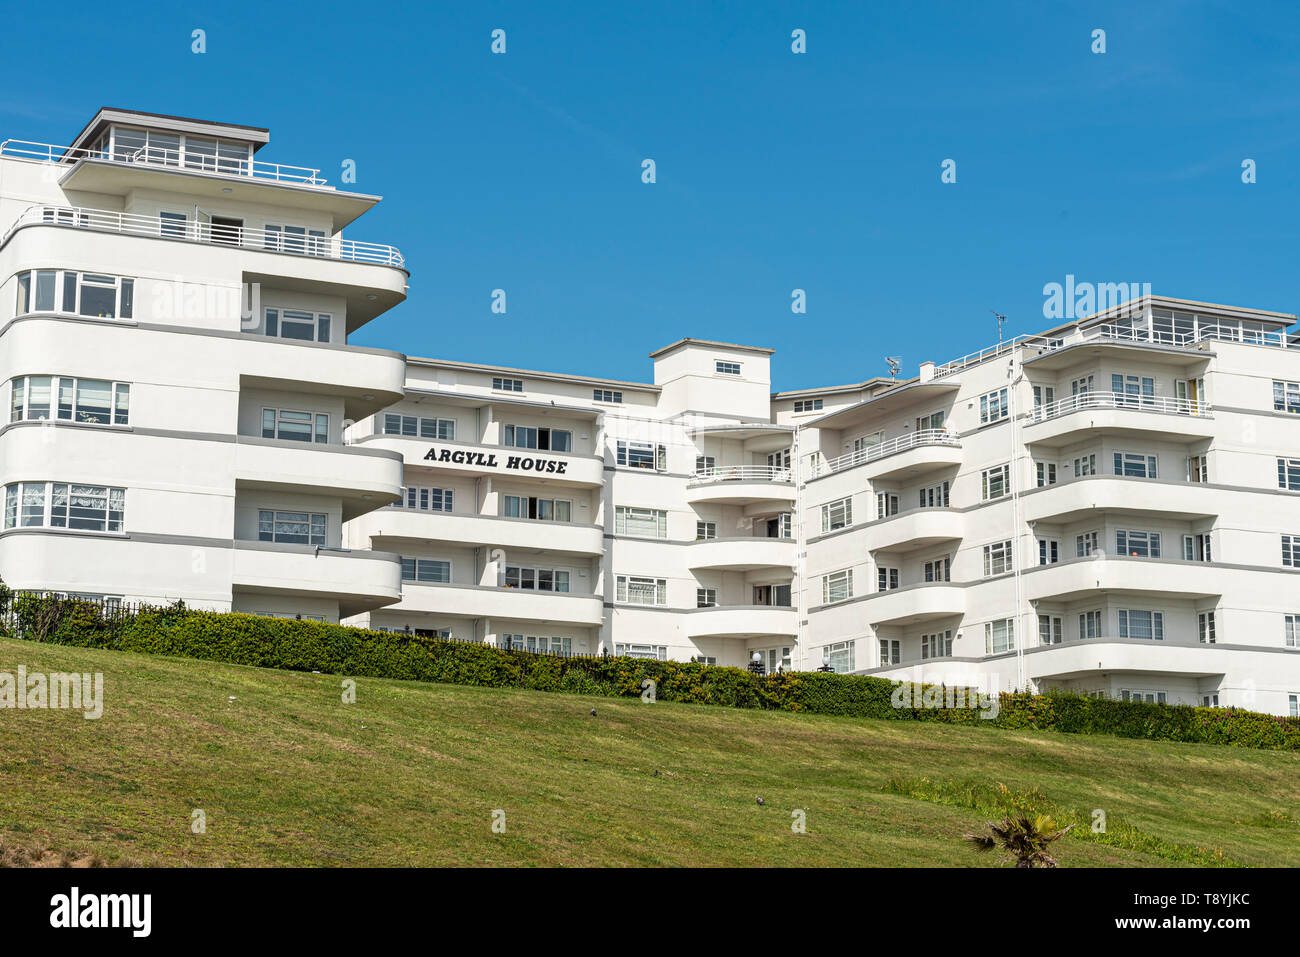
[(335, 649)]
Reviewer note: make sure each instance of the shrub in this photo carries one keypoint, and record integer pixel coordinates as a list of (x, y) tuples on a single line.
[(336, 649)]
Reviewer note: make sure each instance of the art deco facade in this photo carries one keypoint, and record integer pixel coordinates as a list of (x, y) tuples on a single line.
[(1111, 506)]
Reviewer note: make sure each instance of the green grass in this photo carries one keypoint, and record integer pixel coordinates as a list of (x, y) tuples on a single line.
[(411, 773)]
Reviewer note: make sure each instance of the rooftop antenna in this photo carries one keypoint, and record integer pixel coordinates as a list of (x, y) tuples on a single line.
[(1001, 319), (895, 364)]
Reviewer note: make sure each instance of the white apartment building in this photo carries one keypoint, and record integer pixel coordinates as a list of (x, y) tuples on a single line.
[(1110, 507)]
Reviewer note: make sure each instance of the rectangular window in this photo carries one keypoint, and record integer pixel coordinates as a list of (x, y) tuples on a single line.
[(1137, 544), (417, 427), (726, 368), (500, 384), (293, 528), (934, 496), (1292, 631), (995, 482), (993, 406), (1132, 389), (1135, 465), (886, 579), (83, 294), (1288, 474), (1050, 630), (426, 570), (1046, 473), (171, 224), (938, 645), (640, 522), (706, 597), (1144, 697), (837, 586), (1086, 544), (938, 570), (295, 426), (705, 531), (1205, 627), (606, 395), (537, 509), (930, 423), (544, 439), (886, 504), (1286, 397), (639, 590), (1044, 395), (891, 652), (1291, 551), (808, 405), (1198, 468), (997, 558), (1085, 465), (426, 499), (837, 514), (294, 239), (1090, 624), (1196, 548), (652, 652), (537, 579), (1049, 551), (999, 636), (298, 325), (839, 656), (1135, 623), (642, 455)]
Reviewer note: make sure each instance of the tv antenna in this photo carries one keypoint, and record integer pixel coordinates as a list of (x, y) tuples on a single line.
[(895, 364), (1001, 319)]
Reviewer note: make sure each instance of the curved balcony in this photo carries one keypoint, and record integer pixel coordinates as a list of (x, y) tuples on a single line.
[(740, 485), (741, 554), (366, 479), (907, 455), (360, 580), (741, 621), (1079, 659), (464, 458), (915, 603), (1078, 499), (487, 601), (915, 528), (1117, 413), (469, 529), (1084, 578)]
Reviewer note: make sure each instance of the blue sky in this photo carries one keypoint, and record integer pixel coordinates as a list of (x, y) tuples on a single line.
[(775, 171)]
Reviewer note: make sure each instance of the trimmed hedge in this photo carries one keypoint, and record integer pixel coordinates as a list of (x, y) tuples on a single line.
[(335, 649)]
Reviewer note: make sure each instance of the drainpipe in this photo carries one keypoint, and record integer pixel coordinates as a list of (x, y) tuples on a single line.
[(1016, 376)]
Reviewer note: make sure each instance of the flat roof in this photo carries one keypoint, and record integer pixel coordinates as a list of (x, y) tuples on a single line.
[(531, 373), (259, 135), (830, 389), (761, 350)]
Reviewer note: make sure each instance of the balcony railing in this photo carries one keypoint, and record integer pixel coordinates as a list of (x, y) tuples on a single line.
[(873, 452), (1204, 331), (743, 473), (1121, 400), (173, 159), (264, 240)]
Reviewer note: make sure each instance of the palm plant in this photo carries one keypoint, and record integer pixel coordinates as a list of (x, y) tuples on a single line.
[(1024, 837)]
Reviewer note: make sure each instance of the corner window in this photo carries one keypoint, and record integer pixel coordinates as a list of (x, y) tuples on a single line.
[(96, 401), (83, 294)]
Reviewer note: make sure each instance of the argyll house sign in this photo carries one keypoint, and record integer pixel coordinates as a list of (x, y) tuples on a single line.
[(488, 460)]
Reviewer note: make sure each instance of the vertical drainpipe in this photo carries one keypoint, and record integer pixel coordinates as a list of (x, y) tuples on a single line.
[(796, 519)]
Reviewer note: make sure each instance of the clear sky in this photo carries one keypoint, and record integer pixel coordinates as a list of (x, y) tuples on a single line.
[(774, 170)]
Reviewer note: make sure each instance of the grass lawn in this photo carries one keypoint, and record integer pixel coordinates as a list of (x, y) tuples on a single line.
[(411, 774)]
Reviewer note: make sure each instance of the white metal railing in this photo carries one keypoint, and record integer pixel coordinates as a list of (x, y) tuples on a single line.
[(266, 240), (158, 156), (743, 473), (1211, 331), (1120, 400), (873, 452)]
